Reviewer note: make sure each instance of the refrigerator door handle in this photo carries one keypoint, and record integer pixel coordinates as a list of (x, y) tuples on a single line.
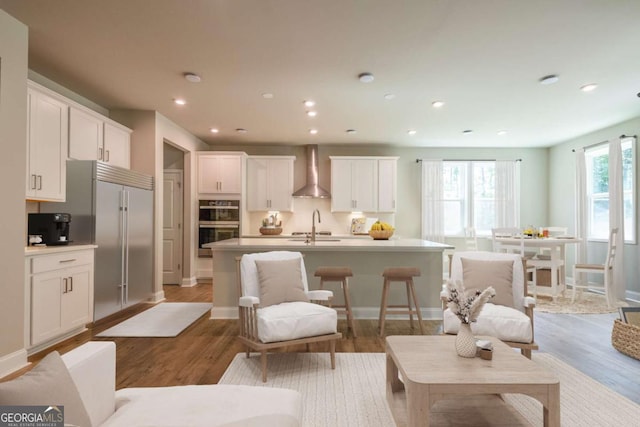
[(126, 248), (122, 245)]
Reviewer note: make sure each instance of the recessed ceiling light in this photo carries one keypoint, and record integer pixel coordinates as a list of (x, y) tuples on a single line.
[(549, 80), (313, 131), (351, 131), (589, 87), (502, 132), (179, 101), (467, 132), (192, 77), (437, 104), (309, 103), (312, 113), (241, 130), (365, 77), (267, 95), (215, 130), (389, 96), (412, 132)]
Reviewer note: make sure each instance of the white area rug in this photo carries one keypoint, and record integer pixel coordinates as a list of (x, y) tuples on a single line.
[(354, 394), (166, 319), (585, 303)]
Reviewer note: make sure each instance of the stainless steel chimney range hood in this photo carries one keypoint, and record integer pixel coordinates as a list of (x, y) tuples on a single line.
[(312, 189)]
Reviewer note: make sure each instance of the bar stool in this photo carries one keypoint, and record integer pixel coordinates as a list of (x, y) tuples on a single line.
[(339, 274), (406, 275)]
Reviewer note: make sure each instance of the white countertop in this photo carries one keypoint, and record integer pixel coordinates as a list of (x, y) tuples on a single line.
[(328, 244), (42, 250)]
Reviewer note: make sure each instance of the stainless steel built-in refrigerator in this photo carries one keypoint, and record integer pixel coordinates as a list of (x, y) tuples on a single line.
[(112, 207)]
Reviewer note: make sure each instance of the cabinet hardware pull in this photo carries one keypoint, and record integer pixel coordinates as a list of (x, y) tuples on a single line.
[(99, 153), (68, 260), (106, 154), (70, 284), (39, 182), (64, 281), (35, 178)]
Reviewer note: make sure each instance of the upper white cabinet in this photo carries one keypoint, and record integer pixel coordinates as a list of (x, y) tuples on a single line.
[(354, 185), (48, 121), (220, 173), (270, 183), (95, 137), (364, 184), (387, 184), (117, 145)]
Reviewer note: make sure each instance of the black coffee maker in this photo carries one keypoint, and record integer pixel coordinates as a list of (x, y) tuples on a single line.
[(52, 227)]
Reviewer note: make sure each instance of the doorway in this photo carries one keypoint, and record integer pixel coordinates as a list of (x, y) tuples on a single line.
[(172, 218)]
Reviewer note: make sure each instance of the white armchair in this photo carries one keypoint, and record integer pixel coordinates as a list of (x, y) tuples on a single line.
[(509, 315), (276, 308)]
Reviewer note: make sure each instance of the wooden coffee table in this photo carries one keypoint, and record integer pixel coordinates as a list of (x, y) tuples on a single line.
[(431, 370)]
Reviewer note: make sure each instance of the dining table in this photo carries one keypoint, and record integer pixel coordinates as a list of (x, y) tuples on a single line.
[(556, 261)]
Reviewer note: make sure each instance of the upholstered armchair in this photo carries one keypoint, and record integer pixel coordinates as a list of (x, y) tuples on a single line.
[(509, 315), (276, 308)]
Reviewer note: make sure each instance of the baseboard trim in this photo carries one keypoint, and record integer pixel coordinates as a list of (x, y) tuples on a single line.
[(365, 313), (188, 282), (12, 362), (157, 297), (204, 274)]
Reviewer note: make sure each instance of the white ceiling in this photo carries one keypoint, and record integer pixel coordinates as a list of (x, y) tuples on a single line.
[(483, 58)]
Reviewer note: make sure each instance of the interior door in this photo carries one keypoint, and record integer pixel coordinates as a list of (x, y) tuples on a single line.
[(108, 265), (172, 228)]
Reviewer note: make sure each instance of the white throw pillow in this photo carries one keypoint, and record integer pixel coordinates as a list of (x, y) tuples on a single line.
[(49, 384)]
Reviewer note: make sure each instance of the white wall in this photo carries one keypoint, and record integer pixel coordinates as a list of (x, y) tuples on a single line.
[(562, 197), (13, 138)]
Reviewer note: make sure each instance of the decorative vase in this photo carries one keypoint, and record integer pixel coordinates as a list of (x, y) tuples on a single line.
[(465, 342)]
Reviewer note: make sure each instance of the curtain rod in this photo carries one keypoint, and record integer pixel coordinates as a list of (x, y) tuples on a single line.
[(623, 136), (468, 160)]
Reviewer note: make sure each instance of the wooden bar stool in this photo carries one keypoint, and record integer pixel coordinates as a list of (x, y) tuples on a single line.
[(406, 275), (339, 274)]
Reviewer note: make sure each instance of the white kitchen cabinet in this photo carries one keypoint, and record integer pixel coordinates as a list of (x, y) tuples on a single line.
[(47, 136), (85, 134), (363, 184), (117, 145), (354, 185), (220, 173), (95, 137), (270, 183), (387, 186), (60, 295)]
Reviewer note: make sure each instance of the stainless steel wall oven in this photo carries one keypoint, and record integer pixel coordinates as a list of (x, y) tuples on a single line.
[(219, 220)]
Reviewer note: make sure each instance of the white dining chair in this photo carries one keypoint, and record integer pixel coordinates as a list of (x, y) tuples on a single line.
[(470, 239), (605, 269)]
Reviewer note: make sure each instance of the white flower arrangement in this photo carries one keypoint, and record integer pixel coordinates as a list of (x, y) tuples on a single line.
[(467, 308)]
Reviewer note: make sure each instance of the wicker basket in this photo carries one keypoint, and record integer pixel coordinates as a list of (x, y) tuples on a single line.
[(380, 234), (626, 338), (270, 231)]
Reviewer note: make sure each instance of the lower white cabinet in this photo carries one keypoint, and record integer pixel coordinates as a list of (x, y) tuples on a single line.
[(60, 295)]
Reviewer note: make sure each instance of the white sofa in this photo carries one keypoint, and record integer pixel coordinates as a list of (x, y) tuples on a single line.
[(92, 367)]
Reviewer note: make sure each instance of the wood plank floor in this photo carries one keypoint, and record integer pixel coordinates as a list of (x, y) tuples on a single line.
[(201, 353)]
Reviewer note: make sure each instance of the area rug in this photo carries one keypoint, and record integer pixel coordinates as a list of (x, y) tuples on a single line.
[(585, 303), (166, 319), (354, 393)]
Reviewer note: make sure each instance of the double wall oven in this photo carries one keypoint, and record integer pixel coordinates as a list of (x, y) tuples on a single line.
[(219, 220)]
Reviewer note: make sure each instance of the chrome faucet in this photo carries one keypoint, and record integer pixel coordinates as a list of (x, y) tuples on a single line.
[(313, 224)]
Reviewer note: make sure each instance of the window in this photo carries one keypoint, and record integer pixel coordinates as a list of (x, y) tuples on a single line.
[(469, 197), (597, 163)]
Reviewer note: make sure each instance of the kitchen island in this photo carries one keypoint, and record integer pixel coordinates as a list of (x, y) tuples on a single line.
[(366, 257)]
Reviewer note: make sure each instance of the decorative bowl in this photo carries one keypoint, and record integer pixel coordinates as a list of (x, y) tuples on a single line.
[(270, 231), (380, 234)]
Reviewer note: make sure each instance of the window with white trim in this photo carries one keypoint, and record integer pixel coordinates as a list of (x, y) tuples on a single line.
[(469, 196), (597, 163)]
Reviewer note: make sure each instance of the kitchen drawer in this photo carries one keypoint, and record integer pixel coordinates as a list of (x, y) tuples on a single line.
[(62, 260)]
